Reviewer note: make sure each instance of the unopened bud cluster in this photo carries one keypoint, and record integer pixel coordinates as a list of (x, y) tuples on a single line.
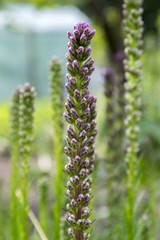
[(26, 109), (81, 132), (133, 27), (15, 115)]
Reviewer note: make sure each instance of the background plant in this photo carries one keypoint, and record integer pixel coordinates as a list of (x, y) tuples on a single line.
[(133, 28), (14, 204), (26, 109), (56, 101)]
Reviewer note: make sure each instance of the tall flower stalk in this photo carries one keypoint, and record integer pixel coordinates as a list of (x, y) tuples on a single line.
[(26, 109), (81, 132), (56, 100), (14, 111), (133, 29)]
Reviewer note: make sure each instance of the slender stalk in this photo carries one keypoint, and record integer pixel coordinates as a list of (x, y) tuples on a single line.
[(56, 100), (14, 211), (81, 132), (133, 32), (26, 109), (43, 197)]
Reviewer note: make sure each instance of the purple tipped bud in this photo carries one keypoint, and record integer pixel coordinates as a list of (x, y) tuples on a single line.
[(67, 118), (85, 82), (71, 232), (72, 52), (68, 57), (70, 68), (77, 95), (87, 224), (76, 179), (91, 70), (80, 53), (74, 143), (68, 151), (76, 66), (87, 53), (72, 82), (76, 34), (83, 173), (80, 198), (87, 127), (84, 151), (83, 72), (86, 162), (86, 31), (87, 197), (89, 62), (91, 34), (74, 203), (74, 42), (83, 104), (70, 132), (86, 113), (82, 135), (77, 160), (69, 34), (74, 113), (78, 123), (83, 40)]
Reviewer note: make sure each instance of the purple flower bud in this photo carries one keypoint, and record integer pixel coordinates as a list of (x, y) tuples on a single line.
[(91, 70), (80, 198), (76, 66), (87, 53), (76, 179), (69, 34), (80, 53), (91, 34), (77, 160), (77, 95), (91, 140), (71, 232), (86, 113), (85, 82), (87, 224), (89, 63), (68, 57), (87, 197), (76, 34), (70, 132), (87, 127), (68, 151), (82, 135), (74, 42), (83, 72), (74, 143), (86, 31), (70, 102), (74, 113), (67, 118), (74, 203), (84, 151), (83, 104), (79, 123), (83, 40), (72, 82), (86, 162), (72, 52), (83, 173), (70, 68), (69, 185)]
